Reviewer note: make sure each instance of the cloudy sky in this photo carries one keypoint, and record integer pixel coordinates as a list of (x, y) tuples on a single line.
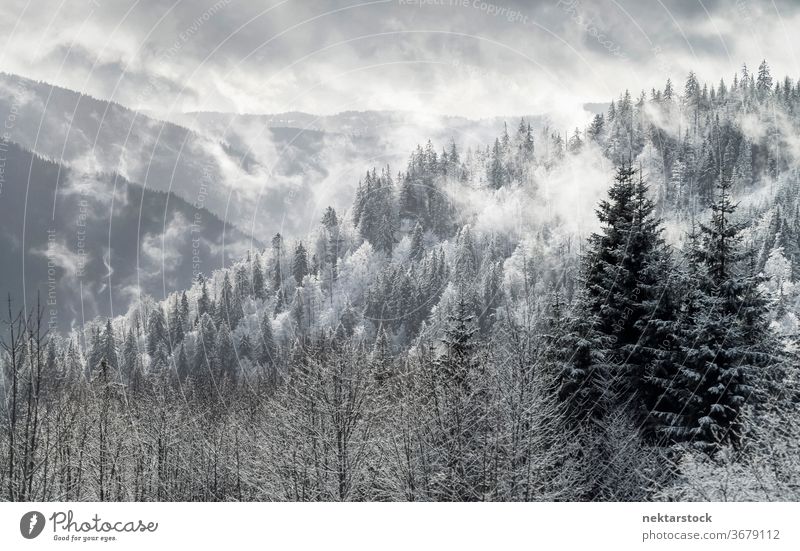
[(462, 57)]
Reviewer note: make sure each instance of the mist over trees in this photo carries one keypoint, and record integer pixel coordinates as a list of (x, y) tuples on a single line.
[(406, 350)]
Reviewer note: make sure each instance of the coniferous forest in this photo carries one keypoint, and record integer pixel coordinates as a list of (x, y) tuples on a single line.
[(405, 349)]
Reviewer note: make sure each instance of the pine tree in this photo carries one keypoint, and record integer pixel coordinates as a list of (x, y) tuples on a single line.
[(595, 131), (225, 354), (259, 287), (496, 170), (385, 238), (727, 342), (381, 359), (329, 219), (466, 261), (764, 80), (691, 98), (182, 364), (159, 360), (130, 356), (408, 201), (584, 379), (267, 351), (184, 312), (492, 295), (624, 285), (204, 304), (230, 308), (678, 385), (277, 273), (417, 250), (575, 143), (242, 281), (73, 363), (205, 347), (333, 245), (175, 324), (95, 354), (156, 331), (110, 349), (300, 264)]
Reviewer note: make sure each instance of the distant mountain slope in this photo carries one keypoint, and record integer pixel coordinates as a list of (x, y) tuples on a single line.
[(256, 177), (260, 173), (103, 242), (438, 128)]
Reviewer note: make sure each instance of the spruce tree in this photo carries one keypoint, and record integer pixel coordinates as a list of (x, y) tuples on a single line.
[(230, 308), (621, 315), (417, 244), (727, 340), (300, 264), (182, 364), (242, 281), (277, 272), (205, 346), (584, 380), (109, 350), (156, 331), (267, 350), (259, 288), (204, 304), (175, 324), (381, 359), (184, 312), (496, 170), (130, 356), (225, 355)]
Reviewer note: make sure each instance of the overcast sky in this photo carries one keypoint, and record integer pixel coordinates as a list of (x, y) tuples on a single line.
[(463, 57)]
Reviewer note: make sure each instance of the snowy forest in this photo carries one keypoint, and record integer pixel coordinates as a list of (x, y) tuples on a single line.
[(451, 337)]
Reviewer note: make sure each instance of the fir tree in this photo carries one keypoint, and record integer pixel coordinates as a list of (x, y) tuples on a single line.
[(156, 331), (203, 364), (624, 285), (230, 308), (110, 348), (764, 80), (175, 324), (259, 287), (277, 273), (182, 364), (417, 250), (225, 354), (184, 311), (496, 170), (130, 356), (381, 359), (204, 304), (584, 380), (726, 342), (300, 264), (267, 351), (242, 281)]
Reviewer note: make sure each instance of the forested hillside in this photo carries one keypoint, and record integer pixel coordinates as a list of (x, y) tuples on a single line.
[(89, 244), (453, 336)]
